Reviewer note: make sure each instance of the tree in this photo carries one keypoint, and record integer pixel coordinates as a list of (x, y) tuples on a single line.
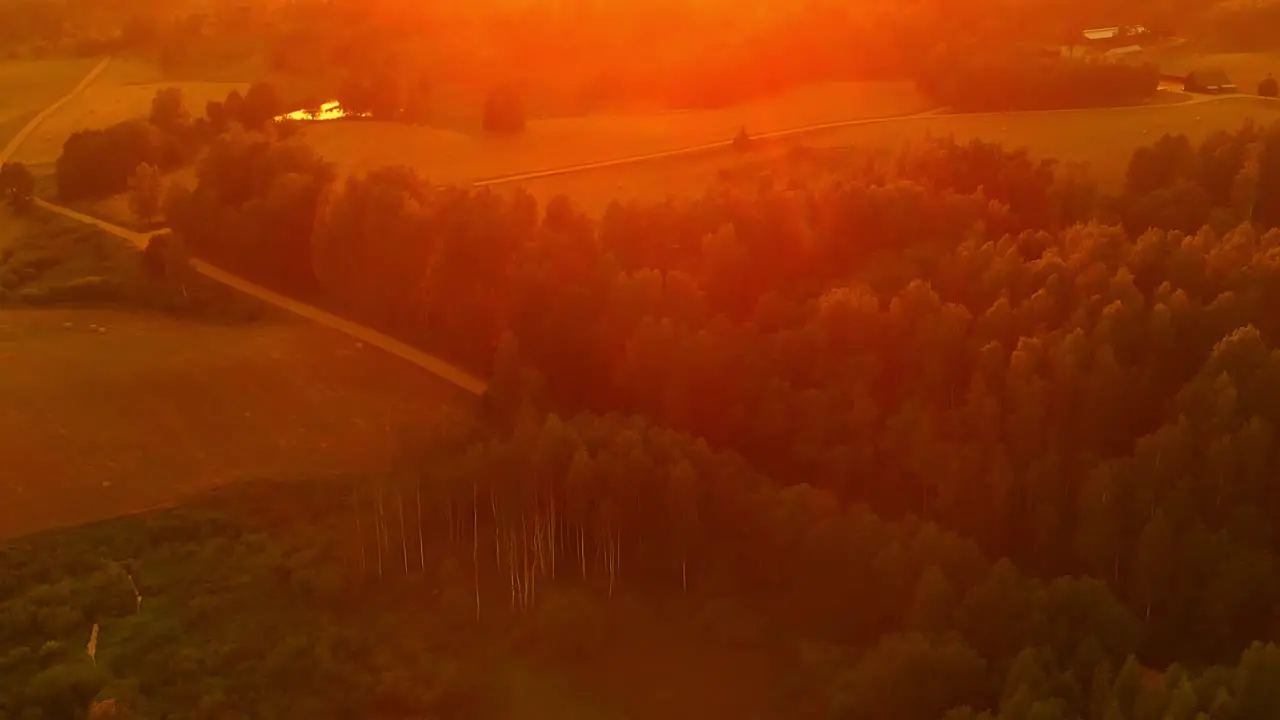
[(932, 603), (261, 104), (146, 193), (168, 112), (165, 262), (215, 111), (1269, 87), (17, 185), (96, 163), (912, 677), (504, 111)]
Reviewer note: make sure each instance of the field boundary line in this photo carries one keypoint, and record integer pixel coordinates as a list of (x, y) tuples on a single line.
[(717, 145), (834, 125), (12, 146)]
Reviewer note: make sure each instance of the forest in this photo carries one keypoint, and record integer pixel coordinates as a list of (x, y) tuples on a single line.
[(1068, 397), (965, 435)]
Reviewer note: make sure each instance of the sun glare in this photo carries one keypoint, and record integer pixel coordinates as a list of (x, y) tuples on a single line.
[(331, 110)]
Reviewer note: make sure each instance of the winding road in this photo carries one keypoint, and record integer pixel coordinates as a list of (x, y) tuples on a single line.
[(406, 352)]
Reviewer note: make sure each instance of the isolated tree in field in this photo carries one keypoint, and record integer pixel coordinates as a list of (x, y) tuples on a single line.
[(168, 111), (17, 185), (165, 261), (504, 111), (1269, 87), (146, 193), (261, 104)]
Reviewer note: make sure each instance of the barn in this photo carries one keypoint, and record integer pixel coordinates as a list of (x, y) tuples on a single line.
[(1210, 81)]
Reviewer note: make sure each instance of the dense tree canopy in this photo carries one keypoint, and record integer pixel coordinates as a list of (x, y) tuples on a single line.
[(100, 162), (971, 78), (934, 334)]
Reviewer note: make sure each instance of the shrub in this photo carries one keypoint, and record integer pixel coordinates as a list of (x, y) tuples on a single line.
[(1269, 87)]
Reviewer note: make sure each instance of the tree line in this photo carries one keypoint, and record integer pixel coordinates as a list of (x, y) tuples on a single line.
[(895, 619), (100, 162), (972, 78)]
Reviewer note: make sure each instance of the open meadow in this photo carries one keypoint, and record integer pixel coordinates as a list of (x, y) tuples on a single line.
[(1245, 69), (1103, 139), (111, 411), (28, 86), (454, 157), (122, 92)]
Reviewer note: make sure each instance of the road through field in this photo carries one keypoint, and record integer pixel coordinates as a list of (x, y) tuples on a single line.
[(805, 129), (428, 362)]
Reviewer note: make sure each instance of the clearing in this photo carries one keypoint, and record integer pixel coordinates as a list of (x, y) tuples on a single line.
[(453, 157), (122, 92), (95, 424), (1104, 139)]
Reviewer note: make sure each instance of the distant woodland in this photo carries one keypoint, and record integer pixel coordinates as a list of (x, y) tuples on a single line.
[(955, 335), (395, 54)]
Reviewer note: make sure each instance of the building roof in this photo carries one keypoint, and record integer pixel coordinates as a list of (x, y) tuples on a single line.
[(1101, 33), (1110, 33)]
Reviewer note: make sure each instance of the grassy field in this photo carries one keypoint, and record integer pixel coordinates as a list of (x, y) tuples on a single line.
[(42, 255), (97, 423), (28, 86), (446, 156), (1104, 139), (122, 92)]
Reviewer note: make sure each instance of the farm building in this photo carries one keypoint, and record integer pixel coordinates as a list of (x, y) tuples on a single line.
[(1107, 41), (1118, 35), (1208, 81)]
